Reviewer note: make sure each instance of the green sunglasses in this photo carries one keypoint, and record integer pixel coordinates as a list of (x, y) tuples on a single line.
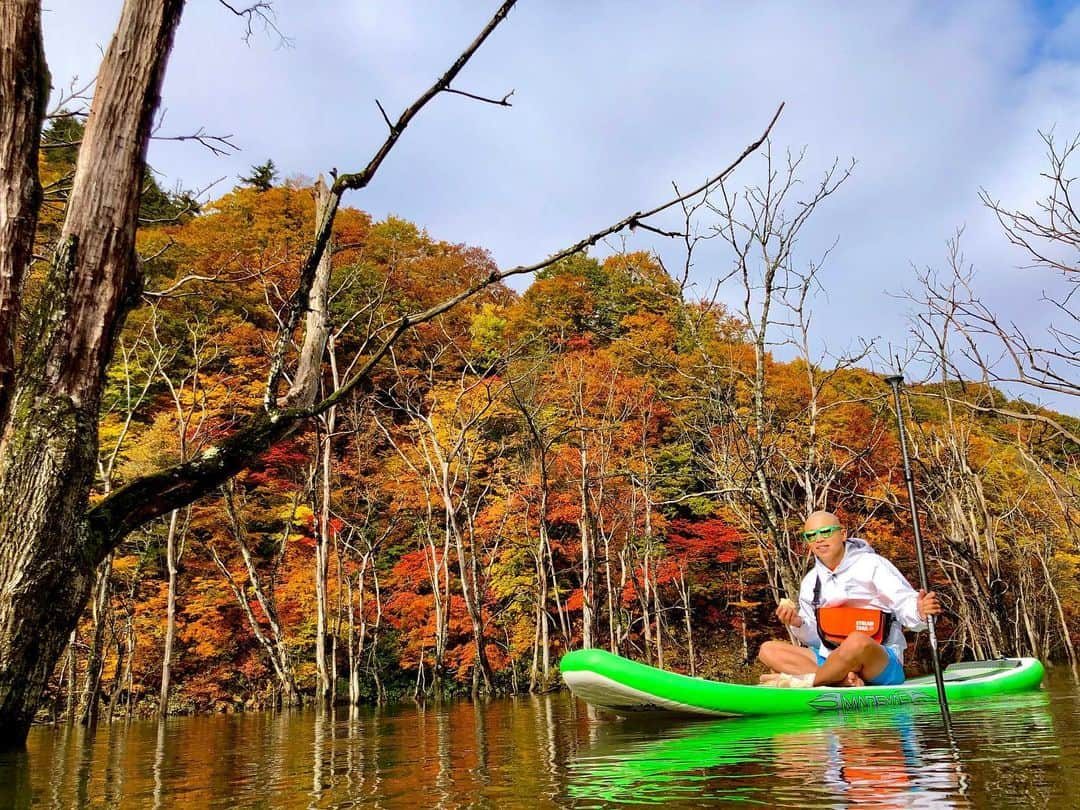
[(825, 532)]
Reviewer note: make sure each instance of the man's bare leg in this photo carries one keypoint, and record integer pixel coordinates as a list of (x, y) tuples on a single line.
[(781, 656), (858, 655)]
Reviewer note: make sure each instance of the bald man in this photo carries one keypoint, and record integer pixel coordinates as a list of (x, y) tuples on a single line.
[(852, 608)]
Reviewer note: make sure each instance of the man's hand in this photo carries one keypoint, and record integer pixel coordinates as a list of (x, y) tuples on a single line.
[(788, 613), (928, 604)]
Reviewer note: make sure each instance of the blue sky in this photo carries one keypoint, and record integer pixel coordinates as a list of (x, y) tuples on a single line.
[(614, 100)]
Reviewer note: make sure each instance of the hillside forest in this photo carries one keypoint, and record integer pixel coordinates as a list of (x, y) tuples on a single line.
[(602, 460)]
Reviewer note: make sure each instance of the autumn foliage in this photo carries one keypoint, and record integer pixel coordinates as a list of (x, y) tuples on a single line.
[(525, 474)]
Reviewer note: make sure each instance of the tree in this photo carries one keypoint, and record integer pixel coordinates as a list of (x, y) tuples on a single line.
[(52, 538), (1006, 516), (262, 176), (761, 226), (994, 347)]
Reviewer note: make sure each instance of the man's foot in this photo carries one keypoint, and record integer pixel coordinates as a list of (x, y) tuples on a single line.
[(852, 679), (786, 681)]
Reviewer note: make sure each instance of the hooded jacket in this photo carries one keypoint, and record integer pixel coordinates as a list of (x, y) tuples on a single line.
[(862, 579)]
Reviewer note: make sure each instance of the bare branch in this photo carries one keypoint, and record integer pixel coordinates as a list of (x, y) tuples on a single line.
[(219, 145), (258, 12), (499, 102), (358, 180), (385, 117), (1056, 427), (634, 225), (169, 292), (73, 92), (158, 493)]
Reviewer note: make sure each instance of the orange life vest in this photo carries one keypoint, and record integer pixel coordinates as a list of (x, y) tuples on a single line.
[(838, 622)]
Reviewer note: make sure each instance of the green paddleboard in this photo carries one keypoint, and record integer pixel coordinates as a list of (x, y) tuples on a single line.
[(624, 687)]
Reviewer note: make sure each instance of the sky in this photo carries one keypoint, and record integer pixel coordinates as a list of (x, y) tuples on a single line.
[(614, 100)]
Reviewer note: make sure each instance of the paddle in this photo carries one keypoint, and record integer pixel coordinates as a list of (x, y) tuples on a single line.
[(895, 382)]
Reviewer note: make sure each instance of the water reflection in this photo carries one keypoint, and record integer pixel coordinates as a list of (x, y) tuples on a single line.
[(899, 758), (551, 751)]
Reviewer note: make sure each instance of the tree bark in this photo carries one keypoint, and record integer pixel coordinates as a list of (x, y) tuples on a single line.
[(48, 443), (24, 88)]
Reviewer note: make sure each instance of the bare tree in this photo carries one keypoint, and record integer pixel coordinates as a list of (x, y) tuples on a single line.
[(124, 406), (269, 635), (1001, 543), (189, 404), (760, 227), (993, 344), (450, 456)]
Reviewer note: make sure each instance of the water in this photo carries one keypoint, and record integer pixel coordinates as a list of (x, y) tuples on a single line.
[(553, 751)]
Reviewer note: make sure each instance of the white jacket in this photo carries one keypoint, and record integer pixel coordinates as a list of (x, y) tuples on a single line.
[(863, 579)]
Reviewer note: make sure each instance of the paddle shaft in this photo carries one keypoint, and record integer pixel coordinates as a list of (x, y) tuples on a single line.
[(895, 382)]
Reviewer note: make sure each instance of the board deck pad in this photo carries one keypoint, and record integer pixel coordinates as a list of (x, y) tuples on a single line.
[(626, 687)]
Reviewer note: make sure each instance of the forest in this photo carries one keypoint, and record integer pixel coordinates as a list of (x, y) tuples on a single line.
[(600, 460)]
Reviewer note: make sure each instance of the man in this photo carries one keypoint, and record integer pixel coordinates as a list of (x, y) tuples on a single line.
[(851, 609)]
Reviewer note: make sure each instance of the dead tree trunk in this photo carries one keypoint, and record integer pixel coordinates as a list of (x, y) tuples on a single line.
[(540, 672), (170, 614), (317, 320), (585, 528)]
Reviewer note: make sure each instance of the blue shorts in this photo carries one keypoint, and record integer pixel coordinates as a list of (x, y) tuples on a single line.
[(892, 675)]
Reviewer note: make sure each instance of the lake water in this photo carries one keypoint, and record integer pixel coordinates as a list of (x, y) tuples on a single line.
[(553, 751)]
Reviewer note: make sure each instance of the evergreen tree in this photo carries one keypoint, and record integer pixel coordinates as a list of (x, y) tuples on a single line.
[(262, 176)]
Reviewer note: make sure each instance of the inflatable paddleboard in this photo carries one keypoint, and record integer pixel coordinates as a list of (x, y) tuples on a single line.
[(625, 687)]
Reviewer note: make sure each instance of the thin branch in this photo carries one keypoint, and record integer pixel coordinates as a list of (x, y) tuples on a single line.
[(358, 180), (385, 117), (74, 92), (219, 145), (499, 102), (659, 232), (1057, 428), (189, 279), (262, 11)]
